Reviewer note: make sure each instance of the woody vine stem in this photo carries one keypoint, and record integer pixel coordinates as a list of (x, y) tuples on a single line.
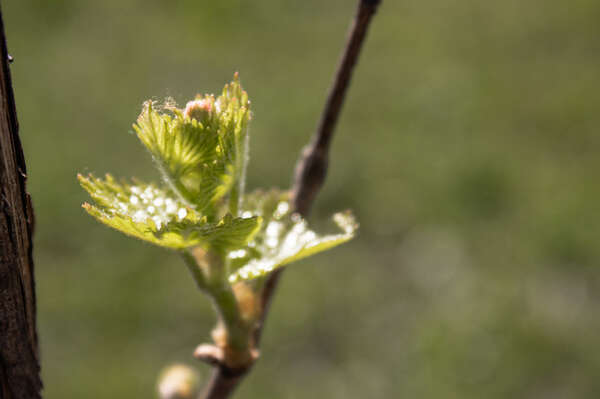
[(309, 177)]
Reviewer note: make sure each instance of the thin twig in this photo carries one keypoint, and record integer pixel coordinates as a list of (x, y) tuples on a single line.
[(309, 178), (312, 166)]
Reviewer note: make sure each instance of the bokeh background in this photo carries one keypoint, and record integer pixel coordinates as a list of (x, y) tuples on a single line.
[(468, 149)]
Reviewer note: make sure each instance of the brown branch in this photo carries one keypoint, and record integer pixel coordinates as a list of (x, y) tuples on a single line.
[(312, 166), (223, 382), (19, 364), (309, 178)]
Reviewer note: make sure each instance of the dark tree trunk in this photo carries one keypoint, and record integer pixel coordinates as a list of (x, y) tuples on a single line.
[(19, 364)]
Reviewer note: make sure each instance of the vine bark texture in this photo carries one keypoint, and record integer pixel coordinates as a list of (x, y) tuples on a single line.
[(19, 363)]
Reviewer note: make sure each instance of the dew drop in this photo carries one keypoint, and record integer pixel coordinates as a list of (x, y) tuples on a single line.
[(309, 236), (240, 253), (171, 206), (157, 221), (273, 229), (139, 216), (159, 201), (282, 208)]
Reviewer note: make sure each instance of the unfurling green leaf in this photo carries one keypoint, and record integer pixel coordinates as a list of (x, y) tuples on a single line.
[(228, 234), (284, 237), (200, 150), (151, 214), (187, 153)]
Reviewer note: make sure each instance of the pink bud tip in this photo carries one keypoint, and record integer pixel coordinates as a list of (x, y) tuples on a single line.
[(198, 109)]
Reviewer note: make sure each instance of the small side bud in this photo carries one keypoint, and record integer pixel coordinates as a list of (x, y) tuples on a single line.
[(178, 382), (219, 335), (210, 354), (248, 301)]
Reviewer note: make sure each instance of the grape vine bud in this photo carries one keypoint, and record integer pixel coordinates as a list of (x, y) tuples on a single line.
[(178, 382), (199, 109)]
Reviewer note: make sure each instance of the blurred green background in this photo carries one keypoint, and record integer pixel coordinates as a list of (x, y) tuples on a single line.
[(468, 149)]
